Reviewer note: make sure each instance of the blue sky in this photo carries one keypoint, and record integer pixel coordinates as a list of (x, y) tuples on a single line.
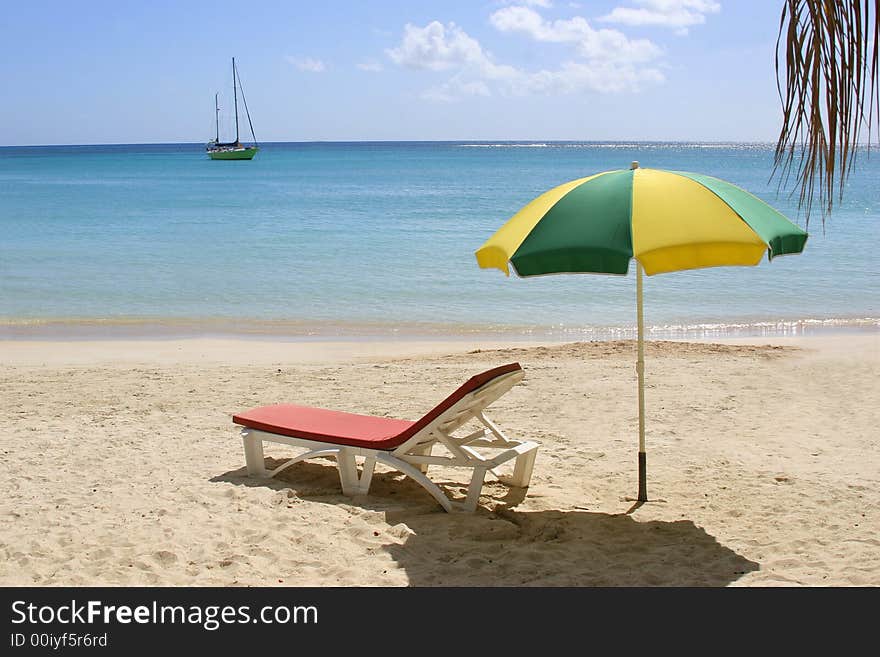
[(133, 72)]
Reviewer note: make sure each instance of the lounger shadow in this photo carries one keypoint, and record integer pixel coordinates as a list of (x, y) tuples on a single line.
[(400, 444)]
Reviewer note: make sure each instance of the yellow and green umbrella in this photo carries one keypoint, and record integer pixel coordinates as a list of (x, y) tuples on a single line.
[(666, 220)]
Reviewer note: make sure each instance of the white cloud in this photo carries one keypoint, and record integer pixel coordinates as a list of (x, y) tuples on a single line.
[(436, 47), (602, 44), (370, 65), (307, 64), (594, 76), (610, 62), (678, 15)]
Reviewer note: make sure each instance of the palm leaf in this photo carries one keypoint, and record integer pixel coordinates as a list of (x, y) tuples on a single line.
[(829, 91)]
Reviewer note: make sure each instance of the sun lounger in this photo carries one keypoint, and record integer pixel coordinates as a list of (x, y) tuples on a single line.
[(400, 444)]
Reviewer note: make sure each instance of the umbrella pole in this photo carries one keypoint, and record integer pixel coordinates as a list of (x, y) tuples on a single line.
[(640, 369)]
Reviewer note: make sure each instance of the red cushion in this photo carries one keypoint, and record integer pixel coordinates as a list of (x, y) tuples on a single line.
[(349, 428), (324, 425)]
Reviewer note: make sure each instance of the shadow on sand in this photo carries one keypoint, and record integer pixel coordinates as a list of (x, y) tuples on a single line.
[(508, 547), (562, 548)]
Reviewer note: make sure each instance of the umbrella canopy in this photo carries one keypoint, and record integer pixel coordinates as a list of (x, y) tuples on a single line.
[(666, 220)]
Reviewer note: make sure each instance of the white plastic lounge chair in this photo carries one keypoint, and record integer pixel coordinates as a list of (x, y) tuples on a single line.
[(403, 445)]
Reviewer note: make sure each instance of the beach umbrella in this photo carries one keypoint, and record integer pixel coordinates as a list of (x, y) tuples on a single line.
[(667, 220)]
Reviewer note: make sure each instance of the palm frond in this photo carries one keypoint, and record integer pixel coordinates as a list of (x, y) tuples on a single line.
[(826, 72)]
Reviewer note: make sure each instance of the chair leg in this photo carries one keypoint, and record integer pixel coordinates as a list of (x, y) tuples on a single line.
[(366, 475), (476, 485), (347, 466), (522, 469), (253, 454), (352, 484), (416, 475)]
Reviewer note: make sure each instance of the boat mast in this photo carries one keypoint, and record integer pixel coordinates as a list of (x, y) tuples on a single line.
[(217, 116), (246, 111), (235, 95)]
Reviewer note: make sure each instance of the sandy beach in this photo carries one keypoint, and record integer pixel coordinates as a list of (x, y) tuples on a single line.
[(122, 466)]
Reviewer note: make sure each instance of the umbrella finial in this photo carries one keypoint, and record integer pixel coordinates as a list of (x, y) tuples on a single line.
[(634, 165)]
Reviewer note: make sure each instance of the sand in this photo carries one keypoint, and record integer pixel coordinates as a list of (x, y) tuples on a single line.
[(121, 466)]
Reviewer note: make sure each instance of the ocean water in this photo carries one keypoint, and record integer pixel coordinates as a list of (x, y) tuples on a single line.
[(372, 239)]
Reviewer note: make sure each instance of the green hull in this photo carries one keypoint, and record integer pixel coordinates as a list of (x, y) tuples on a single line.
[(238, 154)]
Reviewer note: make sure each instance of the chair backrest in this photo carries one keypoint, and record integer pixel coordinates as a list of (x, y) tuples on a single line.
[(470, 398)]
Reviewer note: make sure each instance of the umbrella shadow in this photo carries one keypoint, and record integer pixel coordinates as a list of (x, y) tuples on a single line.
[(500, 545), (561, 548)]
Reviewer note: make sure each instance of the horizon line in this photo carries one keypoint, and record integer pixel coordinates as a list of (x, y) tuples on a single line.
[(420, 141)]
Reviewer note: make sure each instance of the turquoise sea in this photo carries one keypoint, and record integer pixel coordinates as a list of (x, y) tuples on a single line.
[(376, 239)]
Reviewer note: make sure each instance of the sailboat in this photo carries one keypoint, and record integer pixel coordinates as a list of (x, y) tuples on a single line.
[(233, 150)]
